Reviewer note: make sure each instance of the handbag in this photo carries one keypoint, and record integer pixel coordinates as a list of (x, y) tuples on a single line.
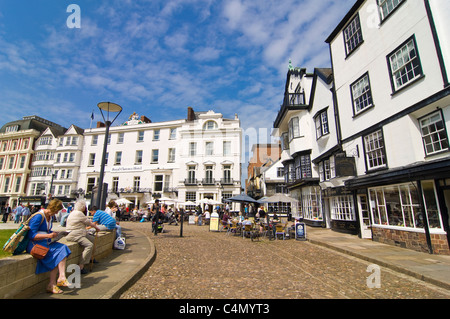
[(18, 242), (39, 251)]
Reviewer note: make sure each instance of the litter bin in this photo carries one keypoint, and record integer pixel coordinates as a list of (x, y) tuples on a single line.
[(214, 222)]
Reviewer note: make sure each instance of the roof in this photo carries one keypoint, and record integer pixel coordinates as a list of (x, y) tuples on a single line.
[(345, 20), (33, 123)]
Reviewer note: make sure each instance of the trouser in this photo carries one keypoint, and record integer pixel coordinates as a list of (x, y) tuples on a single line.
[(118, 229), (86, 241), (5, 217)]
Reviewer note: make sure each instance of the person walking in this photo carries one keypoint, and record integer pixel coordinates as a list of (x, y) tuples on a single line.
[(156, 216), (6, 212), (18, 216)]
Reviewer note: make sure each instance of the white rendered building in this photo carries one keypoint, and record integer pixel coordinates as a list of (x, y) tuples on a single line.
[(391, 63), (56, 163), (184, 160)]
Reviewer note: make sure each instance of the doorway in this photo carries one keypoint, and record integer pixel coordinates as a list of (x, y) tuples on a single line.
[(364, 218)]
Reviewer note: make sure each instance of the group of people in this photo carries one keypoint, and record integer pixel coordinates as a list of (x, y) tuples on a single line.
[(18, 214), (80, 228)]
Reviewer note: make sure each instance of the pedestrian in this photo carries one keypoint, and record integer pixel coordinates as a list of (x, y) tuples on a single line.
[(26, 212), (18, 214), (77, 222), (6, 212), (156, 216)]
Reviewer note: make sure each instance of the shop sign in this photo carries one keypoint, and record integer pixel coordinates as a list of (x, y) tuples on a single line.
[(345, 166)]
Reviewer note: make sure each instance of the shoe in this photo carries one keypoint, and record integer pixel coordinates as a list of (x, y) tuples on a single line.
[(84, 271), (95, 261), (54, 290), (63, 283)]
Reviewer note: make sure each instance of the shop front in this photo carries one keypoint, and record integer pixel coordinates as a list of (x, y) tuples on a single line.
[(409, 207), (310, 204), (340, 210)]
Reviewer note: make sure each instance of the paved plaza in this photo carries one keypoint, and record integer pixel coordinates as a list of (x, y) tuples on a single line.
[(215, 265), (212, 265)]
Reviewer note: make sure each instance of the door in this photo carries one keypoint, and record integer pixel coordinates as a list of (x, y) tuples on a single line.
[(447, 204), (364, 218)]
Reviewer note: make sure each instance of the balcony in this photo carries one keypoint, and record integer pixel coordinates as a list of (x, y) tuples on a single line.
[(190, 181), (208, 181), (227, 181), (292, 101)]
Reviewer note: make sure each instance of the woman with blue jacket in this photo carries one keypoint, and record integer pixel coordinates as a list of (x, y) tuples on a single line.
[(41, 233)]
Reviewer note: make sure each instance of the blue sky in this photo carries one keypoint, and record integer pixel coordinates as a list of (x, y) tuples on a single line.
[(156, 58)]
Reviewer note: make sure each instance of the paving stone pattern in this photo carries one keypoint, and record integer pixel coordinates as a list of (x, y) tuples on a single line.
[(214, 265)]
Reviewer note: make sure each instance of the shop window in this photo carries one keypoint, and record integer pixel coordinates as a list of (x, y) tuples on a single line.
[(431, 204), (399, 205), (311, 203), (342, 208)]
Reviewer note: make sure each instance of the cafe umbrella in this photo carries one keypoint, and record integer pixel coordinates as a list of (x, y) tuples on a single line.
[(242, 198), (279, 200)]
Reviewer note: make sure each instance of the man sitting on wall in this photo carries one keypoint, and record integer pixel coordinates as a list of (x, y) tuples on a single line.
[(105, 221)]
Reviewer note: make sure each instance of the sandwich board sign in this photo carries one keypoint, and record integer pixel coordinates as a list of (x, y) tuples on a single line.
[(300, 231)]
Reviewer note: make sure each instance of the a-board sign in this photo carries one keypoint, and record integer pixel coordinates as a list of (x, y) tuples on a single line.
[(300, 231)]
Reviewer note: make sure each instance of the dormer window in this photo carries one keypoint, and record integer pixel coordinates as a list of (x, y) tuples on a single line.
[(210, 125)]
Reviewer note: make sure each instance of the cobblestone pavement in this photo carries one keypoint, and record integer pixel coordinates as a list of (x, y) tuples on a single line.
[(213, 265)]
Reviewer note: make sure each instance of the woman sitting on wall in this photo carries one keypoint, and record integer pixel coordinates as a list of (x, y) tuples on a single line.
[(41, 233)]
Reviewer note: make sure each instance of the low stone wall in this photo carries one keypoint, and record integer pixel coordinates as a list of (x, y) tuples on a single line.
[(411, 240), (17, 273)]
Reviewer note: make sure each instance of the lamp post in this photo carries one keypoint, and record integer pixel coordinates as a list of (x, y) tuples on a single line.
[(108, 107)]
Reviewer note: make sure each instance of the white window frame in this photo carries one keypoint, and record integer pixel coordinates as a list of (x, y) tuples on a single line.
[(353, 35), (404, 68), (374, 150), (386, 7), (361, 94), (434, 133), (294, 128), (342, 208)]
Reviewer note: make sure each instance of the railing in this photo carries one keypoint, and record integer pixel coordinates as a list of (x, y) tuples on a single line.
[(190, 181)]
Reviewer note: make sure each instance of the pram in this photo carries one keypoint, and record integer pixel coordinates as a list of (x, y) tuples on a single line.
[(172, 218), (160, 226)]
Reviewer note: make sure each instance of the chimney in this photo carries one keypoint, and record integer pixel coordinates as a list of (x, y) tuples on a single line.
[(100, 124), (191, 114)]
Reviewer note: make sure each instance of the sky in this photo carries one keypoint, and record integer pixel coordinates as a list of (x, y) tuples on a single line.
[(158, 57)]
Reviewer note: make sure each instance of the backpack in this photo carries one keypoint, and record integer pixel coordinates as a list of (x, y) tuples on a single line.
[(18, 241)]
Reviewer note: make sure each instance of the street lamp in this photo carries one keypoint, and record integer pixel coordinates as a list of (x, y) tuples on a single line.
[(108, 107)]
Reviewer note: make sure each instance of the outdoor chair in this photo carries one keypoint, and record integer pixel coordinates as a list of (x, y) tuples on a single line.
[(280, 230), (247, 230), (233, 228)]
